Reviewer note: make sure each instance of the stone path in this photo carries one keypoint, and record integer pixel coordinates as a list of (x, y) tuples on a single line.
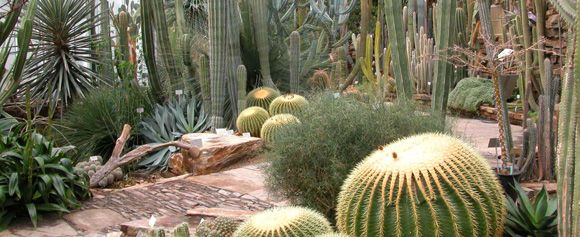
[(241, 188)]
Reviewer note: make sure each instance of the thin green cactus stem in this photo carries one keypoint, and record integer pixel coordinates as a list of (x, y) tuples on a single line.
[(157, 84), (123, 19), (445, 38), (205, 83), (242, 77), (164, 45), (294, 53)]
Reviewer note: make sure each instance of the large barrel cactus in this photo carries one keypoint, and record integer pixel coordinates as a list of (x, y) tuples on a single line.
[(284, 221), (251, 120), (424, 185), (262, 97), (272, 126), (332, 235), (288, 104)]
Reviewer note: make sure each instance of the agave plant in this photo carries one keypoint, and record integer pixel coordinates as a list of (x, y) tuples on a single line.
[(61, 40), (537, 217), (168, 123)]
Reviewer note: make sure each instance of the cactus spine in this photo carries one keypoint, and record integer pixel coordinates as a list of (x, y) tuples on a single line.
[(394, 19), (445, 38), (428, 183), (217, 13), (251, 120), (284, 221), (261, 13), (294, 53), (241, 75)]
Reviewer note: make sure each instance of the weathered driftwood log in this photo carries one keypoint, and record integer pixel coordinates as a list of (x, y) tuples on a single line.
[(117, 160), (218, 152)]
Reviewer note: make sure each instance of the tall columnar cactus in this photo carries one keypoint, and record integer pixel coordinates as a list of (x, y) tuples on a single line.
[(242, 76), (394, 18), (158, 86), (107, 71), (421, 61), (251, 120), (205, 83), (288, 104), (294, 53), (546, 130), (261, 97), (271, 128), (567, 9), (123, 44), (261, 16), (340, 69), (190, 68), (365, 18), (284, 221), (445, 38), (217, 13), (428, 183), (462, 40), (569, 132), (163, 43)]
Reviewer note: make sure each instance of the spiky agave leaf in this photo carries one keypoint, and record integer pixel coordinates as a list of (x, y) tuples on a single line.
[(61, 40)]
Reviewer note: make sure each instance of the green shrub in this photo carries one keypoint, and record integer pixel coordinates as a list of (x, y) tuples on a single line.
[(470, 93), (36, 177), (310, 160), (94, 123)]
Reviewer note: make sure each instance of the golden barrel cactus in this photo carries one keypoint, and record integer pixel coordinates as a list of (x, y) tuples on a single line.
[(424, 185), (284, 221), (274, 124), (251, 120), (261, 97), (288, 104)]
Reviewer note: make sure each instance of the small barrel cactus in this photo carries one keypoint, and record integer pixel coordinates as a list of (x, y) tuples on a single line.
[(284, 221), (218, 227), (261, 97), (428, 183), (181, 230), (273, 125), (89, 168), (288, 104), (320, 80), (251, 120)]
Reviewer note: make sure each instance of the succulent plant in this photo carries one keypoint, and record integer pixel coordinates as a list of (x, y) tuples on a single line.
[(181, 230), (261, 97), (89, 168), (532, 218), (320, 80), (284, 221), (288, 104), (273, 124), (218, 227), (429, 183), (251, 120)]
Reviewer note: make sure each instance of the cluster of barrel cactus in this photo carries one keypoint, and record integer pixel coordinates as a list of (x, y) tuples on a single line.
[(89, 168)]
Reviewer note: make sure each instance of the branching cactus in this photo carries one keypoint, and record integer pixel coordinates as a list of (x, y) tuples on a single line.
[(284, 221), (429, 183), (294, 53)]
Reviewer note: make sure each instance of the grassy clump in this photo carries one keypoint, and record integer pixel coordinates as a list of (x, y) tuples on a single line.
[(310, 160), (470, 93), (94, 123)]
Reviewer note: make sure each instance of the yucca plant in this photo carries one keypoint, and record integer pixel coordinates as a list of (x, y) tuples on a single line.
[(61, 43), (536, 217), (36, 177), (168, 123)]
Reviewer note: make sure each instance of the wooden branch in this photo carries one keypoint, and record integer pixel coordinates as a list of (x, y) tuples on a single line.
[(117, 160)]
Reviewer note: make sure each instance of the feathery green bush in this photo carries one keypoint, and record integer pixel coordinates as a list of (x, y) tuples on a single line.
[(470, 93), (333, 136)]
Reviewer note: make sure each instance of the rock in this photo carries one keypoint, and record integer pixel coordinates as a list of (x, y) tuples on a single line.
[(218, 152), (94, 219), (205, 212)]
